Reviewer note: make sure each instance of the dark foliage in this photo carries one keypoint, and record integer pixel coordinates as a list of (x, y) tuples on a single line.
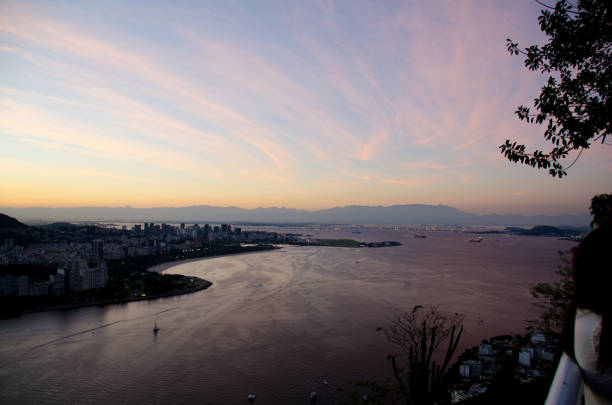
[(31, 270), (553, 298), (601, 209), (420, 377), (542, 230), (574, 104)]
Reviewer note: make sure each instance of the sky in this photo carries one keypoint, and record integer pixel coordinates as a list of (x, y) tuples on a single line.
[(304, 104)]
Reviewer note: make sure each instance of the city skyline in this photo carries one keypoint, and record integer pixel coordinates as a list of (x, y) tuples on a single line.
[(308, 106)]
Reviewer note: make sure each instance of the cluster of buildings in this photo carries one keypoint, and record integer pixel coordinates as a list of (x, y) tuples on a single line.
[(76, 254), (158, 239), (71, 267), (528, 357)]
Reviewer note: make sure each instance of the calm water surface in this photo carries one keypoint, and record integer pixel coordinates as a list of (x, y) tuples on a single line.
[(274, 323)]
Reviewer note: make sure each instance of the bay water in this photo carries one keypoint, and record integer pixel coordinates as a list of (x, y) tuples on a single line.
[(275, 323)]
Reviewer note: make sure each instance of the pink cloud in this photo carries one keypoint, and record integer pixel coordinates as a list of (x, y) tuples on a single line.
[(355, 175), (63, 39), (409, 182), (465, 177), (424, 166), (424, 141), (372, 146)]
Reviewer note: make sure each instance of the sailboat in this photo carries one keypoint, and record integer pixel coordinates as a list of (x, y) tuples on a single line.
[(155, 328)]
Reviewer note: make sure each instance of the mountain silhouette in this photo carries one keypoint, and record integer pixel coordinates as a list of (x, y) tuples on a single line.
[(415, 214), (7, 222)]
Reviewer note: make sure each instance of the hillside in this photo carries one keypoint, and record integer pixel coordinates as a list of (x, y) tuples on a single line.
[(542, 230), (7, 222)]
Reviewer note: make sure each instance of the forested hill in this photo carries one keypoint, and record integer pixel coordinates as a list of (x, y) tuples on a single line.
[(10, 222), (542, 230)]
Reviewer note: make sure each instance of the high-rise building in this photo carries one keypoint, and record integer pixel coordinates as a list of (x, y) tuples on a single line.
[(89, 278), (9, 243), (75, 280), (101, 275), (98, 248), (182, 225)]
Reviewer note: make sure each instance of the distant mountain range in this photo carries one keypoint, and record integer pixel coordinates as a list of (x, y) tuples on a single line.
[(417, 214)]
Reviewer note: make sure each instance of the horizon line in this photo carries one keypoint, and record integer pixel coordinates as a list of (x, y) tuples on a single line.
[(129, 207)]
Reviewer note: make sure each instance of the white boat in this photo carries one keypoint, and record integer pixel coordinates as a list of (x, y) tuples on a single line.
[(155, 328)]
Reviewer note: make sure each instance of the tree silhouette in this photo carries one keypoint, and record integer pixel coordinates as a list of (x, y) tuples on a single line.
[(419, 334), (553, 298), (601, 209), (575, 101)]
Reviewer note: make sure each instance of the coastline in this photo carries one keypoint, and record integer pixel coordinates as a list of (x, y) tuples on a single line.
[(158, 268), (115, 301)]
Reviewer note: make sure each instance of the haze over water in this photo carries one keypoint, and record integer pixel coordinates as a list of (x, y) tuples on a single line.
[(274, 323)]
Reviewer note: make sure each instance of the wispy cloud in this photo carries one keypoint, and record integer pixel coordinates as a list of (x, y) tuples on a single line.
[(371, 147), (355, 175), (326, 101), (409, 182), (64, 40)]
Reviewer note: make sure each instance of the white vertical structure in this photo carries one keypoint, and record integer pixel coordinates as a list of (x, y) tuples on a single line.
[(566, 388)]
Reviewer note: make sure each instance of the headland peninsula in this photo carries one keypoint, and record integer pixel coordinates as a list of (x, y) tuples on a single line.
[(64, 265)]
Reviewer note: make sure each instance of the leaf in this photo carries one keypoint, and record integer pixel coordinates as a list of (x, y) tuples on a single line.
[(575, 99)]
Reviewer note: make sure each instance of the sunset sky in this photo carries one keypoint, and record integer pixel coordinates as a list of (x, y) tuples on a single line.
[(302, 104)]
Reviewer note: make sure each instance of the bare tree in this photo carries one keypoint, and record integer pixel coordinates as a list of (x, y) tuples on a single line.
[(419, 333)]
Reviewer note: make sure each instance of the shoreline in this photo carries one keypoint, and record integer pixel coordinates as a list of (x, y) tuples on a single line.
[(115, 301), (158, 268)]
